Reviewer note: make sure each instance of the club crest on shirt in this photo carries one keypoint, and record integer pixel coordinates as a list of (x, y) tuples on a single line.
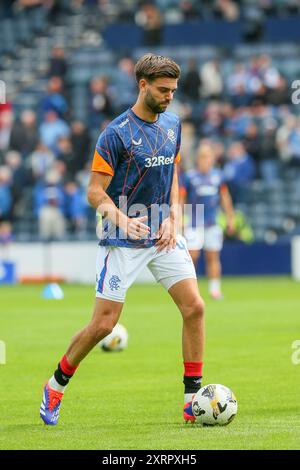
[(171, 136), (114, 283)]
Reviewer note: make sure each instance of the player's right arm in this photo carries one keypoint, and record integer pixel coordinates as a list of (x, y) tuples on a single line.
[(101, 176)]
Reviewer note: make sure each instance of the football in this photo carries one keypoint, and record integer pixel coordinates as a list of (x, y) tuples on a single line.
[(117, 340), (214, 404)]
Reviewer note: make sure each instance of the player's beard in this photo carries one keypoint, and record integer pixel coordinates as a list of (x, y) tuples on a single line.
[(153, 104)]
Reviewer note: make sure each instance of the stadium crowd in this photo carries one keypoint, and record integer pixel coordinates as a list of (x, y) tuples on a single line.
[(246, 114), (227, 9)]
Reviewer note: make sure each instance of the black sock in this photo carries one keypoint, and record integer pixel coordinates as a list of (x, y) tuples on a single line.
[(60, 377), (192, 384)]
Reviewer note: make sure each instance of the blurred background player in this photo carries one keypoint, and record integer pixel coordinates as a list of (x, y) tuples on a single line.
[(205, 185)]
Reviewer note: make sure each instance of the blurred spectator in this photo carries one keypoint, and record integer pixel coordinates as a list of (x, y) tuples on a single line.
[(83, 178), (191, 82), (24, 136), (48, 206), (212, 124), (262, 147), (276, 87), (190, 10), (32, 16), (150, 19), (13, 161), (60, 168), (256, 87), (59, 7), (66, 155), (267, 7), (40, 161), (269, 160), (253, 19), (239, 170), (6, 123), (292, 6), (219, 151), (260, 112), (54, 99), (5, 234), (237, 121), (227, 9), (270, 74), (52, 129), (100, 106), (127, 83), (252, 142), (75, 206), (279, 95), (81, 143), (6, 200), (211, 80), (236, 85), (58, 65)]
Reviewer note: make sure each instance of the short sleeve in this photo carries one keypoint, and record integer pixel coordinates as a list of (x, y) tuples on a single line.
[(223, 188), (108, 150), (177, 157)]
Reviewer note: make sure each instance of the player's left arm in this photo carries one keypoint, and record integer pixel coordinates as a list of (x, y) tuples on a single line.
[(227, 206), (169, 227)]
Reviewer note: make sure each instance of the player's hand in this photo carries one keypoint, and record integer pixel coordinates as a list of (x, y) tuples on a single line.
[(136, 229), (166, 235)]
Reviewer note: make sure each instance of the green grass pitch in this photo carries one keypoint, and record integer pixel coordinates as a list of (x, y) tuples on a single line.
[(133, 399)]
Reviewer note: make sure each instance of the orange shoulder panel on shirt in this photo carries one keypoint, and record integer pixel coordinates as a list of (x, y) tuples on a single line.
[(177, 158), (100, 165), (223, 188)]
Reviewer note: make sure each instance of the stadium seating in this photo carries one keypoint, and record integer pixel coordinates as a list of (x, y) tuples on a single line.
[(82, 34)]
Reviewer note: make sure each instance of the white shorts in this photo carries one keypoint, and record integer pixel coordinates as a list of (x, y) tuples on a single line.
[(206, 238), (118, 267)]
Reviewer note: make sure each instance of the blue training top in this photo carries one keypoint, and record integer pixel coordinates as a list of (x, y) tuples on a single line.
[(140, 157)]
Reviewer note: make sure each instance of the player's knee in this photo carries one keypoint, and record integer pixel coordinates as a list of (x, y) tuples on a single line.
[(195, 310), (198, 308)]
